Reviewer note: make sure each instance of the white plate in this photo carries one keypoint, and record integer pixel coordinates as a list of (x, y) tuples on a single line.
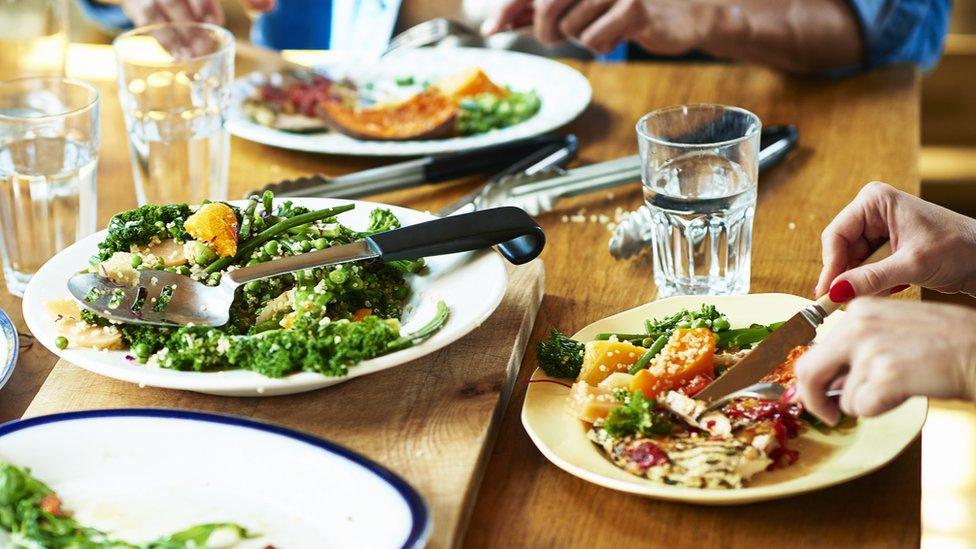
[(825, 459), (9, 348), (139, 474), (471, 284), (564, 93)]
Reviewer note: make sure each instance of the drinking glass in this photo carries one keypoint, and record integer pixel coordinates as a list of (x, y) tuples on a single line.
[(48, 155), (33, 38), (699, 170), (174, 86)]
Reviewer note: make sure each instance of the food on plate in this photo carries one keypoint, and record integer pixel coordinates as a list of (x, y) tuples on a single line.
[(635, 394), (33, 516), (321, 320), (465, 103)]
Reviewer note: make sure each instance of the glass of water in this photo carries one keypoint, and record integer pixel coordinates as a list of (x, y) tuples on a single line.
[(174, 86), (48, 156), (699, 167), (33, 38)]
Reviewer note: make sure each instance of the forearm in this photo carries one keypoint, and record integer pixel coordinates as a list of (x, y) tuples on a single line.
[(802, 36)]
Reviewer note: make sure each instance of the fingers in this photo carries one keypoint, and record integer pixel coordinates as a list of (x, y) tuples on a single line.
[(609, 30), (511, 13), (580, 15), (547, 16), (208, 11), (879, 278), (176, 10), (816, 370)]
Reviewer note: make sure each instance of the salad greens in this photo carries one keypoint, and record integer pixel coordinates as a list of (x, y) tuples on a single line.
[(487, 112), (32, 517), (562, 356), (636, 416), (319, 320)]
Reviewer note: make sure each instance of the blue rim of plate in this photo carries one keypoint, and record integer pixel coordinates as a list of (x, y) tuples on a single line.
[(9, 359), (419, 531)]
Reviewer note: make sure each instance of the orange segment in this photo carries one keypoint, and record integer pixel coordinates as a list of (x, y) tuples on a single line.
[(216, 225)]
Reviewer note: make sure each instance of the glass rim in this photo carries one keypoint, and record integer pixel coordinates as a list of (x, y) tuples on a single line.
[(148, 29), (718, 106), (62, 79)]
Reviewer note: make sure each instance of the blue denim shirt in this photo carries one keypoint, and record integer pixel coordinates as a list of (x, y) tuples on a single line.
[(903, 31), (895, 31)]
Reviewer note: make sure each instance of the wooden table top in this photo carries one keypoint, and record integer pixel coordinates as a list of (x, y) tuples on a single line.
[(851, 131)]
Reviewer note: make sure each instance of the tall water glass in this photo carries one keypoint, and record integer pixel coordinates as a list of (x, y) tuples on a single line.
[(699, 167), (33, 38), (48, 156), (174, 86)]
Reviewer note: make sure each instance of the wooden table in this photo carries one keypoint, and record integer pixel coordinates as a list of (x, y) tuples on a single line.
[(852, 131)]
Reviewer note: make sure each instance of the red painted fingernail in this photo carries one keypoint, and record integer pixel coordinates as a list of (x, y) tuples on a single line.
[(900, 288), (788, 394), (841, 292)]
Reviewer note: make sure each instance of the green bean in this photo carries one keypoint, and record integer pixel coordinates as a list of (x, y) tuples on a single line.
[(245, 231), (721, 323), (645, 358), (275, 230), (271, 247), (268, 199)]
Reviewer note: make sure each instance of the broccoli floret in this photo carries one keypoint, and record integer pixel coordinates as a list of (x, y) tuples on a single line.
[(381, 220), (560, 356), (138, 226)]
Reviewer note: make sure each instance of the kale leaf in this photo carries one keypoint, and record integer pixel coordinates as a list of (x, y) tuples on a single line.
[(138, 226)]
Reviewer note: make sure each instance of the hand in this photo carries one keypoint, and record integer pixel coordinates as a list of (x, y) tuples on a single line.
[(148, 12), (885, 351), (666, 27), (932, 246)]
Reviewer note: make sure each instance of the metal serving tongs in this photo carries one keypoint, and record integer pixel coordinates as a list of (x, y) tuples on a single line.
[(518, 237)]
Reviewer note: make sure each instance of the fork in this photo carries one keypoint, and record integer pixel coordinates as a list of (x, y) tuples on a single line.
[(148, 301), (427, 33), (764, 391)]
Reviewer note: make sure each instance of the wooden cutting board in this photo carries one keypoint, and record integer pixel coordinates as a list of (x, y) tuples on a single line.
[(433, 421)]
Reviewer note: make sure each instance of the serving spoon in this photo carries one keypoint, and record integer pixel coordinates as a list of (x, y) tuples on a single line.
[(148, 301)]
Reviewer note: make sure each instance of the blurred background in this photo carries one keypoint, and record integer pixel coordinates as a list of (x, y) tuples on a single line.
[(948, 171)]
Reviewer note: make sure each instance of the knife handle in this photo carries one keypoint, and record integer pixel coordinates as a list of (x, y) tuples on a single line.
[(518, 237), (824, 306), (496, 157)]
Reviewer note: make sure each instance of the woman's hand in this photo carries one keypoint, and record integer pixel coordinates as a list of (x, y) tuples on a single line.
[(884, 351), (931, 246)]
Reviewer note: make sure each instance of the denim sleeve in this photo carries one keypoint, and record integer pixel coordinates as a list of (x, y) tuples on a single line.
[(106, 16), (902, 31)]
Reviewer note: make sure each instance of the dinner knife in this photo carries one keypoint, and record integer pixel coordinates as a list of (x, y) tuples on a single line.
[(429, 169), (801, 329)]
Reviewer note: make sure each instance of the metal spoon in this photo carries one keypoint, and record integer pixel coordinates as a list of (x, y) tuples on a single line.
[(518, 237)]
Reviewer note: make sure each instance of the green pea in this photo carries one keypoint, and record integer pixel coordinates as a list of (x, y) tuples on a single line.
[(203, 255), (320, 243), (401, 292), (683, 324), (338, 276), (306, 246), (271, 247), (252, 286), (61, 342), (721, 323), (136, 261), (141, 350)]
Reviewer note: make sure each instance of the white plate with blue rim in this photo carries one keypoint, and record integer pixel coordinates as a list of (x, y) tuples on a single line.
[(9, 348), (471, 284), (139, 474), (564, 93)]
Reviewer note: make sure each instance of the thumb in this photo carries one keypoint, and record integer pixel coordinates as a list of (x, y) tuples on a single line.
[(871, 279)]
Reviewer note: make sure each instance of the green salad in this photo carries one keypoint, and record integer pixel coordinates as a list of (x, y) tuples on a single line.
[(31, 517), (321, 320)]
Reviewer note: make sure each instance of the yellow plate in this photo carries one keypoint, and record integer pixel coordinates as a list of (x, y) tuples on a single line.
[(825, 459)]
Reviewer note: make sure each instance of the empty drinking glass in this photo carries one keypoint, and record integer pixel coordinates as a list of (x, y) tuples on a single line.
[(699, 169), (48, 155), (174, 86)]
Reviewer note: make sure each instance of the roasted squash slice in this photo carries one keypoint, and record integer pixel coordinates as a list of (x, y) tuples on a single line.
[(429, 114), (602, 358), (689, 352), (469, 83)]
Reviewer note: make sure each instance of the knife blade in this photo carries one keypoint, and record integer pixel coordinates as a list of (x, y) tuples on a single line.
[(800, 329)]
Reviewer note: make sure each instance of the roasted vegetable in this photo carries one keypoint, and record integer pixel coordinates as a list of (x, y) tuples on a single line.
[(689, 352), (427, 115), (602, 358)]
